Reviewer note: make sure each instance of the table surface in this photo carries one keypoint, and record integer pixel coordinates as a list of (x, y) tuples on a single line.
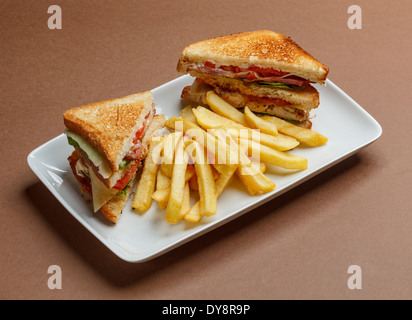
[(298, 246)]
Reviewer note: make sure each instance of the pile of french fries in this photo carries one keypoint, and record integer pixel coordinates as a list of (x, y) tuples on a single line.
[(205, 148)]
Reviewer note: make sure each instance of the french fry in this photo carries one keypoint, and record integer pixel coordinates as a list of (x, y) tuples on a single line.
[(255, 183), (224, 157), (206, 183), (251, 175), (186, 202), (170, 143), (250, 184), (255, 161), (187, 114), (162, 180), (209, 120), (195, 214), (305, 136), (162, 193), (254, 122), (215, 173), (162, 196), (277, 158), (174, 206), (224, 109), (258, 165), (254, 180), (280, 142), (223, 181), (190, 172), (143, 196)]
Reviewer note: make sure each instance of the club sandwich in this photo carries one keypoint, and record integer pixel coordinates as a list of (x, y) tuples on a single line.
[(111, 139), (264, 70)]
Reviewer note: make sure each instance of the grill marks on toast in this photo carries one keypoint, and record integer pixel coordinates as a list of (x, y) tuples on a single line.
[(110, 126)]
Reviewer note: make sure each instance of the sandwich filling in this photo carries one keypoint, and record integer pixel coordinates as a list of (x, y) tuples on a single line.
[(198, 90), (94, 171), (263, 76)]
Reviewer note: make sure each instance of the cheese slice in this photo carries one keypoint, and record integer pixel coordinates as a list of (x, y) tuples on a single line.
[(96, 157), (101, 193)]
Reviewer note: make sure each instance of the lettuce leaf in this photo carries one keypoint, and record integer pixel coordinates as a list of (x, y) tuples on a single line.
[(75, 144), (127, 187), (281, 85), (124, 163)]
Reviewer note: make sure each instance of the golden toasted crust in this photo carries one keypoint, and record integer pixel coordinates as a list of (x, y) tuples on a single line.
[(110, 126), (266, 49), (112, 210)]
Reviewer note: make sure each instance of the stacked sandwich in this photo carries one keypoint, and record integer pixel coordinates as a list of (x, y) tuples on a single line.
[(111, 138), (263, 70)]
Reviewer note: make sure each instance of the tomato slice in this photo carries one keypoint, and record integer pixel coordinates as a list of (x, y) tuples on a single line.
[(231, 68), (121, 183), (209, 64), (267, 72), (139, 135), (251, 76)]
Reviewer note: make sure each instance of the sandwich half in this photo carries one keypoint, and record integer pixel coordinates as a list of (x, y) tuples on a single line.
[(111, 138), (264, 70)]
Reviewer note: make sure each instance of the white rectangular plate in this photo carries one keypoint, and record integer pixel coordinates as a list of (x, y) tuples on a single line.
[(138, 238)]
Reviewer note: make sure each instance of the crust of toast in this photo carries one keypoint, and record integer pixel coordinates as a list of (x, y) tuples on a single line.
[(266, 49), (110, 126), (113, 209)]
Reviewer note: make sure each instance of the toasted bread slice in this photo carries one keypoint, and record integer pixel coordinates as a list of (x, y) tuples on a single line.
[(265, 49), (110, 126)]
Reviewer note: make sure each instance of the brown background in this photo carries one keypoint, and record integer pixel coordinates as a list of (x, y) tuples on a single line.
[(298, 246)]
